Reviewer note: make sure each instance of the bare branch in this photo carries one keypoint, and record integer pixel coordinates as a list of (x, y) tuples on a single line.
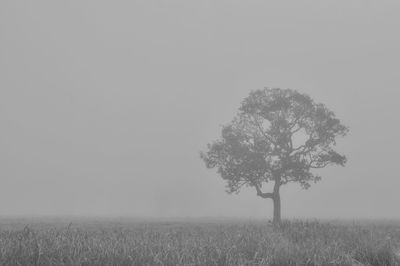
[(295, 131), (269, 138), (263, 194)]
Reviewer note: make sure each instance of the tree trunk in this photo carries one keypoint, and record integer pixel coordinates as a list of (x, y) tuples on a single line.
[(277, 203), (276, 198), (277, 209)]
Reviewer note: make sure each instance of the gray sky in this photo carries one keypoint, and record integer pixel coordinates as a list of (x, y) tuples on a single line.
[(105, 105)]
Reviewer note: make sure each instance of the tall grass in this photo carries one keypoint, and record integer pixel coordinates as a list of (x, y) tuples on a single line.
[(202, 243)]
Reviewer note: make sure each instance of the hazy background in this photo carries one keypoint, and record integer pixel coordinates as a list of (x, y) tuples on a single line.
[(105, 105)]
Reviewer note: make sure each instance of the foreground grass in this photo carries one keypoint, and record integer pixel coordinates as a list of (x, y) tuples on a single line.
[(201, 243)]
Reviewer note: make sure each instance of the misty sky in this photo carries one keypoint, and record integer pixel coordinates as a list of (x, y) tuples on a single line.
[(105, 105)]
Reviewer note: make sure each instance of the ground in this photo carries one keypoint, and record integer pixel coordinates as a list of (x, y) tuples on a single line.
[(197, 242)]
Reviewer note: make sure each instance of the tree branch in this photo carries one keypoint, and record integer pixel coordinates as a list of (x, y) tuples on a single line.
[(322, 165), (263, 194), (303, 149), (269, 138), (295, 131)]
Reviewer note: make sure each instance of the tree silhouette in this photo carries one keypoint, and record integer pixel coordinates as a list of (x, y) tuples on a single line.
[(280, 136)]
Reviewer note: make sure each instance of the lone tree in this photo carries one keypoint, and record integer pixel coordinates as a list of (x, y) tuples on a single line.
[(280, 136)]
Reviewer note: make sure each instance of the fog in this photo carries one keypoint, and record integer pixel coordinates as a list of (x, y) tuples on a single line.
[(105, 105)]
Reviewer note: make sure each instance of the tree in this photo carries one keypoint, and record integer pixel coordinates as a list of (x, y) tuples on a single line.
[(279, 136)]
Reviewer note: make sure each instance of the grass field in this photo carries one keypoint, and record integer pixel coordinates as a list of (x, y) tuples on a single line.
[(123, 242)]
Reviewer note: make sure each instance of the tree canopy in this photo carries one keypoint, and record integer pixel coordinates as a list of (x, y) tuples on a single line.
[(278, 135)]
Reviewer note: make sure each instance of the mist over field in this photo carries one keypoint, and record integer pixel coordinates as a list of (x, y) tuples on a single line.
[(106, 105)]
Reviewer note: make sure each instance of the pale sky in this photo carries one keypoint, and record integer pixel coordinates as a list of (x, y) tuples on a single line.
[(105, 105)]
